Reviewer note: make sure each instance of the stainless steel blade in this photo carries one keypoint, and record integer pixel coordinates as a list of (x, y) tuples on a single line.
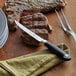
[(32, 34)]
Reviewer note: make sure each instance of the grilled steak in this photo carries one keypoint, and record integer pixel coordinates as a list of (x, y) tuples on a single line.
[(14, 7), (36, 22)]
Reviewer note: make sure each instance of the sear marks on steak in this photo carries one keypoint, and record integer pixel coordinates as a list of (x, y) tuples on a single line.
[(14, 7), (36, 22)]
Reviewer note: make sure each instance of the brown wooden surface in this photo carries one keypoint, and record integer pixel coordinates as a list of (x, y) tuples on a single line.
[(14, 46)]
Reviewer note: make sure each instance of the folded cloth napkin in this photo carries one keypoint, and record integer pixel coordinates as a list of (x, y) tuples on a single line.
[(32, 64)]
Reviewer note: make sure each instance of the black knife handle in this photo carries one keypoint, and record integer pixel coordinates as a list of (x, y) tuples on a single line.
[(59, 52)]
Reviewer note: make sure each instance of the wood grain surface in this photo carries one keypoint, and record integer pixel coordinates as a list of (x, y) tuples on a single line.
[(14, 46)]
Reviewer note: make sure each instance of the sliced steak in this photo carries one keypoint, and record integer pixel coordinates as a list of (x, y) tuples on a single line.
[(14, 7)]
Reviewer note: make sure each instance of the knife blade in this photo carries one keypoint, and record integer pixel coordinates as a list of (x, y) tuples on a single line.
[(54, 49)]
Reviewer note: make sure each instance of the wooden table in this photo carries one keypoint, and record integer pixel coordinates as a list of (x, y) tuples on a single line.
[(14, 46)]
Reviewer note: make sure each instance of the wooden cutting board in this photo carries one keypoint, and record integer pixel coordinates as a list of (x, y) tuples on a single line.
[(2, 3), (14, 46)]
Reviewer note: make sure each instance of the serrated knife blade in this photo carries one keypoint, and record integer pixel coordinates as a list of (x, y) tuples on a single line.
[(54, 49)]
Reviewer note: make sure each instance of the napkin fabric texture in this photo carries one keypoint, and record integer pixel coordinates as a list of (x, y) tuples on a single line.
[(32, 64)]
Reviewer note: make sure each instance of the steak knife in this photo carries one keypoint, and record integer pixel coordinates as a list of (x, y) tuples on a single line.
[(54, 49)]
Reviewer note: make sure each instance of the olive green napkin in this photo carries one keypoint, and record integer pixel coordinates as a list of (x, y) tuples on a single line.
[(32, 64)]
